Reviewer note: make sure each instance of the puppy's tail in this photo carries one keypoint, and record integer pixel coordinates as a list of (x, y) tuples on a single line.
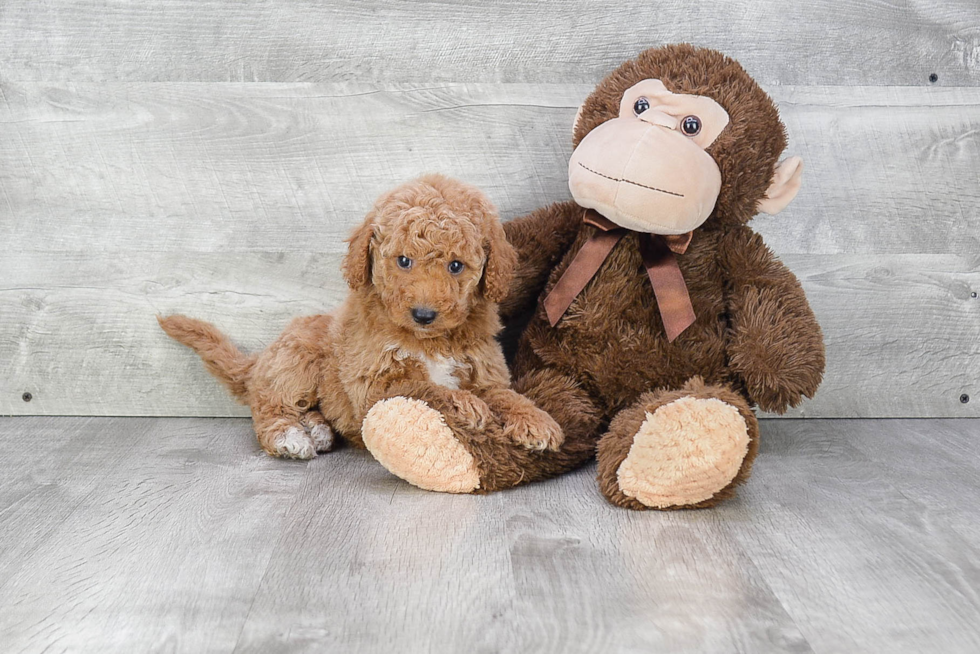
[(223, 360)]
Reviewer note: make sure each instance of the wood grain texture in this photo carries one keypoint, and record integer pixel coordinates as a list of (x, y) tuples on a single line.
[(821, 42), (512, 572), (660, 593), (292, 167), (163, 546), (859, 556), (44, 483), (902, 334), (180, 535)]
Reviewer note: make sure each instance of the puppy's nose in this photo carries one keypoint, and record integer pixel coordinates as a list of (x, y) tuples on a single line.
[(423, 315)]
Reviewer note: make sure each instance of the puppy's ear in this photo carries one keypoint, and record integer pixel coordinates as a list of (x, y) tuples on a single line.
[(501, 262), (357, 263)]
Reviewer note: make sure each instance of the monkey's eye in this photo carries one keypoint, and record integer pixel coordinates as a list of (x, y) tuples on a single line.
[(691, 125), (641, 105), (456, 267), (404, 262)]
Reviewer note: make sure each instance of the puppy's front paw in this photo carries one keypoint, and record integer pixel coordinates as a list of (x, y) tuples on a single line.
[(293, 443), (535, 431), (473, 411)]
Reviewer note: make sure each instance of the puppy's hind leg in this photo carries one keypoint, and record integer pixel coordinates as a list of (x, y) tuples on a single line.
[(283, 437), (321, 433), (282, 390)]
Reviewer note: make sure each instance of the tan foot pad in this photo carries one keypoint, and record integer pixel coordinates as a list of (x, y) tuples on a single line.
[(684, 453), (412, 440)]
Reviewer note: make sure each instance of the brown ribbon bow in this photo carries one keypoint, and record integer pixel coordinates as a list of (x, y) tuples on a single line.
[(658, 259)]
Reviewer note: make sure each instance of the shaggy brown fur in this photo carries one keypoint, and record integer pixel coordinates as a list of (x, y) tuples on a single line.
[(324, 372), (755, 340), (607, 364)]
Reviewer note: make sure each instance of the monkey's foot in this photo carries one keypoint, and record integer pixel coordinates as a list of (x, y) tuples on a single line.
[(413, 441), (684, 453), (687, 448)]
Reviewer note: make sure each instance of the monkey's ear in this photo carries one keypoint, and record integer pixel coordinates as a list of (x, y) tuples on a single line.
[(357, 263), (784, 187), (501, 262), (578, 116)]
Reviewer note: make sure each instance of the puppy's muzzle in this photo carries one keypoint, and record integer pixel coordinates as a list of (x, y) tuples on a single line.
[(423, 315)]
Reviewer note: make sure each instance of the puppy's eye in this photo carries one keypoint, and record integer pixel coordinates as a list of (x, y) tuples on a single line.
[(641, 105), (691, 125), (456, 267), (404, 262)]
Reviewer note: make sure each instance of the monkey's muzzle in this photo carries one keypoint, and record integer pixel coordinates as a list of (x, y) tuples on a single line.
[(644, 177)]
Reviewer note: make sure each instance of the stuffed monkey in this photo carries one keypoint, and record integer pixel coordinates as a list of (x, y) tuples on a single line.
[(658, 317)]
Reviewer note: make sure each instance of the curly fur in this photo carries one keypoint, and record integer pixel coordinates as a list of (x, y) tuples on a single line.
[(326, 371)]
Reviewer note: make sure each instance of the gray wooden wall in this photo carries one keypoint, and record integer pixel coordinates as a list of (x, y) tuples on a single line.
[(209, 156)]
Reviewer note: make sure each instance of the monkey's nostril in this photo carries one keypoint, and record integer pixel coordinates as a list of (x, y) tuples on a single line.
[(423, 315)]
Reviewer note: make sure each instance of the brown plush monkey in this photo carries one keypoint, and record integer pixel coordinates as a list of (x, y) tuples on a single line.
[(660, 316)]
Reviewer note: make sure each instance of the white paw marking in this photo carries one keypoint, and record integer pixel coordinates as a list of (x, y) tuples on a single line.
[(295, 444), (322, 437)]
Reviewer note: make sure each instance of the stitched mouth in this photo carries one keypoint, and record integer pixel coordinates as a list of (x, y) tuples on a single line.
[(618, 179)]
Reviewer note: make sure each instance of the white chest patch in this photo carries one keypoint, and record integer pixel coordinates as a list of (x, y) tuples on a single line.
[(441, 369)]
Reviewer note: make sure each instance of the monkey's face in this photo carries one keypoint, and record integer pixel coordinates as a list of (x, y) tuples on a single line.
[(648, 169)]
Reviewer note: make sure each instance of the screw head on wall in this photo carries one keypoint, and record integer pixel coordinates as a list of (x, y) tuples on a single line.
[(27, 397), (964, 398), (933, 78)]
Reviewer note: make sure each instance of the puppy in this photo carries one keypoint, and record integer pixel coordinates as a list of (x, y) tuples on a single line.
[(426, 270)]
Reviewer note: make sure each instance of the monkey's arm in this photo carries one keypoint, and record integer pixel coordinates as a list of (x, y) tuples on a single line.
[(541, 238), (776, 345)]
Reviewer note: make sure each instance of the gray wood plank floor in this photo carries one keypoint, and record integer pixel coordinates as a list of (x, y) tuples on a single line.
[(179, 535)]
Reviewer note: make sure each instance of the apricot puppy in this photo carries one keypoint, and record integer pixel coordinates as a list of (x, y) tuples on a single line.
[(426, 270)]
